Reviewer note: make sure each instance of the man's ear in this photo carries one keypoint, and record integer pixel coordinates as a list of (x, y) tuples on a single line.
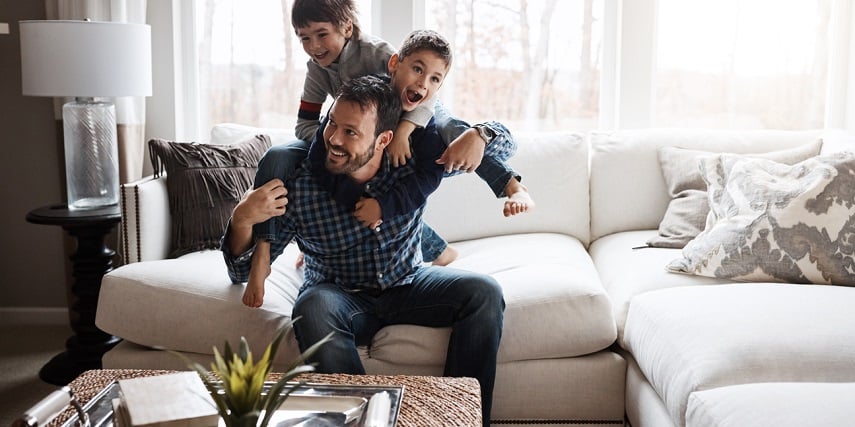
[(383, 140), (393, 63)]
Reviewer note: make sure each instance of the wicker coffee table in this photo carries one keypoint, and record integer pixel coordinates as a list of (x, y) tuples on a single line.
[(428, 401)]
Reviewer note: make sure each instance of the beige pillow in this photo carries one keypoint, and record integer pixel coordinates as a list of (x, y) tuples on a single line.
[(687, 213), (773, 222)]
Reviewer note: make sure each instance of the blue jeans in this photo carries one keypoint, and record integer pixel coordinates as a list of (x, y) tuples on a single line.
[(494, 169), (280, 161), (470, 303)]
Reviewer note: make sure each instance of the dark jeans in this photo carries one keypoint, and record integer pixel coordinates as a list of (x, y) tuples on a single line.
[(470, 303)]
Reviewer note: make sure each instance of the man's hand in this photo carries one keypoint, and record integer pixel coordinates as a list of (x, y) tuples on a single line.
[(399, 149), (464, 153), (261, 204), (368, 212)]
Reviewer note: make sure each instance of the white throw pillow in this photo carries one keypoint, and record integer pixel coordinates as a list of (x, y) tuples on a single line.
[(774, 222), (686, 214)]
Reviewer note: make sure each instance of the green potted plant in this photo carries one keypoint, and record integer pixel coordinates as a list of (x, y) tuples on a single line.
[(236, 380)]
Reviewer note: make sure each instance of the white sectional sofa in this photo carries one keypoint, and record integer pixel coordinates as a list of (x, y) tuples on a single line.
[(596, 332)]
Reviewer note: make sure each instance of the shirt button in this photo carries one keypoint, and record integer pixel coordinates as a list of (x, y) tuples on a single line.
[(377, 229), (379, 275)]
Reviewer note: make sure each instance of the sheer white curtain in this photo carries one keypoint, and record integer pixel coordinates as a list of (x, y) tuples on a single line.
[(130, 111)]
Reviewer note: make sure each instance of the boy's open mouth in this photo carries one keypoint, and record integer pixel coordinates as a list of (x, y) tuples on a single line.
[(414, 96)]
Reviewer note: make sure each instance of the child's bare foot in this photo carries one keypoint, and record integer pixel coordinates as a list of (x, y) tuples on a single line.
[(517, 203), (253, 295), (448, 255), (519, 200)]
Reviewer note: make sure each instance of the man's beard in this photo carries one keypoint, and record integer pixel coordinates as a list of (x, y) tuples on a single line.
[(352, 164)]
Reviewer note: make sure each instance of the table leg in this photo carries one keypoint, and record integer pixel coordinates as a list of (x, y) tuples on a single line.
[(84, 349)]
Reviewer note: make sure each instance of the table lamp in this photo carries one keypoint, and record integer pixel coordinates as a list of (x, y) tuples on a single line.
[(92, 62)]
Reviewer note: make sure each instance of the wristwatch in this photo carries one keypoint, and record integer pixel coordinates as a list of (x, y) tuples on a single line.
[(485, 133)]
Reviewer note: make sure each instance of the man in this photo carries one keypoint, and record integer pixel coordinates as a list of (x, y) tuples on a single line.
[(360, 279)]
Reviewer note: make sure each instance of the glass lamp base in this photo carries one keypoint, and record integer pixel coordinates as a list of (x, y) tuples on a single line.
[(91, 153)]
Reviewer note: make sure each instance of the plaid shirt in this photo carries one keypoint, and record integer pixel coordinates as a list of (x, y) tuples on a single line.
[(337, 248)]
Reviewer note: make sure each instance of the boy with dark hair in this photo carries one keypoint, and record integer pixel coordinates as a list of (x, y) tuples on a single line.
[(339, 51)]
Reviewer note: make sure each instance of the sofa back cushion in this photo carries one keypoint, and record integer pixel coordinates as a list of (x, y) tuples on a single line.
[(554, 167), (628, 191)]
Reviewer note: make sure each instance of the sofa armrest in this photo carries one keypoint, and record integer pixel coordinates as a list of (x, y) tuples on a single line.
[(146, 220)]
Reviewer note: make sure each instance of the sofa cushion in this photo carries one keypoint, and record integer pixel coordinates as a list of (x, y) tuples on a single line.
[(554, 167), (547, 279), (773, 222), (628, 267), (232, 133), (205, 183), (687, 212), (688, 339), (625, 169), (773, 404)]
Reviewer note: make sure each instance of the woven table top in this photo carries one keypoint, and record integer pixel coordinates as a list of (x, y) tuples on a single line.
[(428, 401)]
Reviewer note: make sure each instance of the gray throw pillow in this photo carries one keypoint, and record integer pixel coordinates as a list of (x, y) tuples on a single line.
[(687, 212), (773, 222), (205, 183)]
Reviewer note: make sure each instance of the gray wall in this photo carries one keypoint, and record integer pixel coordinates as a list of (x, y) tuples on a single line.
[(34, 261)]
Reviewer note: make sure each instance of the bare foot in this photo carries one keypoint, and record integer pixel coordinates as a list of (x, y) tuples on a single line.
[(446, 257), (519, 200), (518, 203), (253, 295)]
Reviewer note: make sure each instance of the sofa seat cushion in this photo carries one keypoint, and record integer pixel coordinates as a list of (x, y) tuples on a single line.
[(626, 272), (189, 304), (773, 404), (688, 339), (555, 305)]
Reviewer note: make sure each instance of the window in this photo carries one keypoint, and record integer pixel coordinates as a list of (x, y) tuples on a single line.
[(571, 64), (532, 64), (251, 64), (742, 63)]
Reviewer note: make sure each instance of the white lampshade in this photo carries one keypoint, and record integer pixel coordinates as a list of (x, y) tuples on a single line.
[(85, 59)]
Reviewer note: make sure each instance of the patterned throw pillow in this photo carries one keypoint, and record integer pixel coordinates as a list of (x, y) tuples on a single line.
[(687, 212), (205, 184), (778, 223)]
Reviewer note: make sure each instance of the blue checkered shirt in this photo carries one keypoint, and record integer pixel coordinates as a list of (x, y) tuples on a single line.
[(337, 248)]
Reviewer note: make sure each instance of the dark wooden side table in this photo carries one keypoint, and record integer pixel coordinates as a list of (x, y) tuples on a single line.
[(90, 262)]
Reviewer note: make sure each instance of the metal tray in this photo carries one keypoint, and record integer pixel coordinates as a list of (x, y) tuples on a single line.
[(309, 405)]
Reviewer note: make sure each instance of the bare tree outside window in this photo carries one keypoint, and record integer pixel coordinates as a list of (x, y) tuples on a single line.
[(533, 64), (251, 64)]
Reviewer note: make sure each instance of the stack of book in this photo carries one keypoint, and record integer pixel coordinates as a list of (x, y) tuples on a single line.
[(171, 400)]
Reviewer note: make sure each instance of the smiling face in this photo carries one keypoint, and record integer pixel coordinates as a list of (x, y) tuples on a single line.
[(323, 41), (350, 141), (417, 77)]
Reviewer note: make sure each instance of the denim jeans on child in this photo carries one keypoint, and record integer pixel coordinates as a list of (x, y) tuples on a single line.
[(494, 169), (280, 161), (470, 303)]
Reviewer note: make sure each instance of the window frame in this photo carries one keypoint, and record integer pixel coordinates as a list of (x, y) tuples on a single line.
[(626, 87)]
